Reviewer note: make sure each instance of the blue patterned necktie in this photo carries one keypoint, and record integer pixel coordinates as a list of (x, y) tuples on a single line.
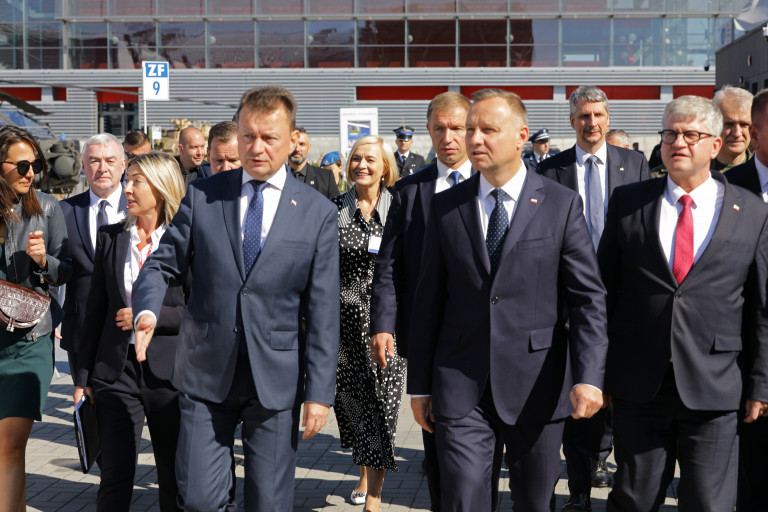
[(497, 229), (454, 178), (595, 198), (252, 227)]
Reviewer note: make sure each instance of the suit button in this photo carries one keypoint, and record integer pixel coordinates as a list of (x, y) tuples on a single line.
[(495, 300), (245, 291), (678, 294), (236, 329)]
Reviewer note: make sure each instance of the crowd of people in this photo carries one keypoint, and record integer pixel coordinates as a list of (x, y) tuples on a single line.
[(538, 301)]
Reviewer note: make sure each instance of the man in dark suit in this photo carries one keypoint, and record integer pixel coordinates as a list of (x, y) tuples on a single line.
[(676, 257), (192, 150), (540, 143), (506, 254), (753, 437), (407, 161), (397, 264), (262, 249), (320, 179), (104, 203), (587, 442), (222, 150)]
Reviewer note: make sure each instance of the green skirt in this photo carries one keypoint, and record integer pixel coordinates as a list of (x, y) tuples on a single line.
[(26, 369)]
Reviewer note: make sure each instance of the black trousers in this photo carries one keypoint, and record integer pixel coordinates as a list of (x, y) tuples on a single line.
[(585, 440), (121, 407), (753, 467)]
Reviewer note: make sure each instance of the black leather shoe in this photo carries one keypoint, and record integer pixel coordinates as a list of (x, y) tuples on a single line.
[(578, 502), (601, 477)]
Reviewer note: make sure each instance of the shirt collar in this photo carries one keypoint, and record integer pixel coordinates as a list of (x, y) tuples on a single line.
[(762, 173), (112, 199), (706, 192), (601, 154), (512, 188), (443, 170), (155, 236), (403, 155), (277, 180)]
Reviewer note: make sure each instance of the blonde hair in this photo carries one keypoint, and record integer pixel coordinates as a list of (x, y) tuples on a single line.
[(163, 173), (391, 172)]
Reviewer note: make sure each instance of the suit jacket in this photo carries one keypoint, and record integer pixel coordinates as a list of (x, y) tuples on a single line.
[(297, 270), (745, 175), (530, 160), (508, 330), (696, 323), (397, 264), (320, 179), (624, 166), (75, 211), (204, 170), (413, 163), (105, 346)]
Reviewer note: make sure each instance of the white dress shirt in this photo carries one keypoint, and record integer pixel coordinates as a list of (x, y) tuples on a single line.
[(512, 189), (114, 214), (402, 156), (581, 169), (443, 182), (762, 175), (271, 192), (705, 209), (135, 259)]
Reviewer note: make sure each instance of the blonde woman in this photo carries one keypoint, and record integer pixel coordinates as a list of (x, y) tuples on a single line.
[(123, 390), (367, 396)]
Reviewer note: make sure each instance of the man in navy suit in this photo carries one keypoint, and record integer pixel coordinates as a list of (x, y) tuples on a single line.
[(104, 203), (507, 260), (408, 162), (678, 256), (587, 442), (260, 333)]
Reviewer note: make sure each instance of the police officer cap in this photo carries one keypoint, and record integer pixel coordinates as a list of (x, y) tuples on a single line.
[(404, 132), (540, 136)]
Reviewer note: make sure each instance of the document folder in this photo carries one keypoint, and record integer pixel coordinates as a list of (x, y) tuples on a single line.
[(87, 433)]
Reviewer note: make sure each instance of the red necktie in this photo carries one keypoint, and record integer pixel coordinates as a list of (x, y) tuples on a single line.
[(683, 258)]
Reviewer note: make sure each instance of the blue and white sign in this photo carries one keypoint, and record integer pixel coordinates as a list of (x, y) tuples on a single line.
[(156, 85)]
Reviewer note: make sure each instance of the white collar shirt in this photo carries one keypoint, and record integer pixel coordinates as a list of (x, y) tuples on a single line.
[(512, 190), (581, 162), (271, 192), (135, 259), (444, 182), (114, 214)]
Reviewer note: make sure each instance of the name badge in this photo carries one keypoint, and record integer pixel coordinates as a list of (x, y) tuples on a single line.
[(374, 242)]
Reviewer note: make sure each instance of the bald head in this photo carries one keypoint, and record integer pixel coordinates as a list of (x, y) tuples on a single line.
[(191, 147)]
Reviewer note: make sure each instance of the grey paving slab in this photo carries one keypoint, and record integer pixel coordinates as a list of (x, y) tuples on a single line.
[(325, 474)]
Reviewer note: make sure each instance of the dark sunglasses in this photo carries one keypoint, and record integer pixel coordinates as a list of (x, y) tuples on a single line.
[(22, 166)]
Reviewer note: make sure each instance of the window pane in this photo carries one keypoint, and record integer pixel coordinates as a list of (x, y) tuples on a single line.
[(132, 7), (279, 33), (637, 42), (182, 34), (330, 6), (483, 6), (431, 6), (538, 6), (87, 8), (185, 57), (638, 5), (11, 59), (692, 5), (10, 35), (44, 58), (380, 32), (590, 6), (687, 41), (235, 33), (334, 32), (432, 56), (281, 6), (41, 9), (131, 43), (533, 32), (231, 7), (536, 56), (331, 57), (732, 5), (180, 7), (381, 6), (281, 57), (483, 32), (88, 58), (432, 32), (580, 31), (87, 34), (235, 57), (381, 56), (472, 56), (44, 35)]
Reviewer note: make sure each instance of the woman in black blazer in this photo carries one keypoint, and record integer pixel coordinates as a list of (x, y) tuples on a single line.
[(124, 390)]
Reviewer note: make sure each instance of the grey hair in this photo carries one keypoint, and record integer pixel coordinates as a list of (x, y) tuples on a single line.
[(620, 137), (742, 97), (103, 139), (695, 108), (590, 94)]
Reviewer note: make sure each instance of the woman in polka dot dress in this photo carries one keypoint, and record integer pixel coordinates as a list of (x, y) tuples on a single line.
[(367, 397)]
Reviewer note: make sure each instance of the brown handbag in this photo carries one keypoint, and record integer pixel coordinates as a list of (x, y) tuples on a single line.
[(21, 307)]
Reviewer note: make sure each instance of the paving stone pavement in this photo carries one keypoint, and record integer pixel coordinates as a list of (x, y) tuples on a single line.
[(325, 474)]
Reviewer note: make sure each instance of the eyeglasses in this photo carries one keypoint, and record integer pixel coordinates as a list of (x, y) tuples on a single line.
[(22, 166), (690, 137)]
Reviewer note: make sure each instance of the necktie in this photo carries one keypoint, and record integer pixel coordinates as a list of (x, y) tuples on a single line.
[(454, 178), (252, 228), (497, 229), (402, 159), (101, 215), (683, 257), (595, 199)]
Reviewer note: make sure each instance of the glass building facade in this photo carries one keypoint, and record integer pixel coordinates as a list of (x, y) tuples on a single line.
[(119, 34)]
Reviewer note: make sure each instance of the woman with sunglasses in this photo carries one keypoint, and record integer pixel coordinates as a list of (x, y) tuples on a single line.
[(35, 255)]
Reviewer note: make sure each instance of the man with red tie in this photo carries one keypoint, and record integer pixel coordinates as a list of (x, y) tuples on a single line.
[(675, 256)]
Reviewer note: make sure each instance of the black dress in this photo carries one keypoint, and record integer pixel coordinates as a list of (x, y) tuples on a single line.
[(367, 396)]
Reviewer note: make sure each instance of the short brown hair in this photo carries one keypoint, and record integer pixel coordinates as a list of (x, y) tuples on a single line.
[(759, 105), (448, 100), (224, 132), (268, 99), (136, 138), (516, 104)]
